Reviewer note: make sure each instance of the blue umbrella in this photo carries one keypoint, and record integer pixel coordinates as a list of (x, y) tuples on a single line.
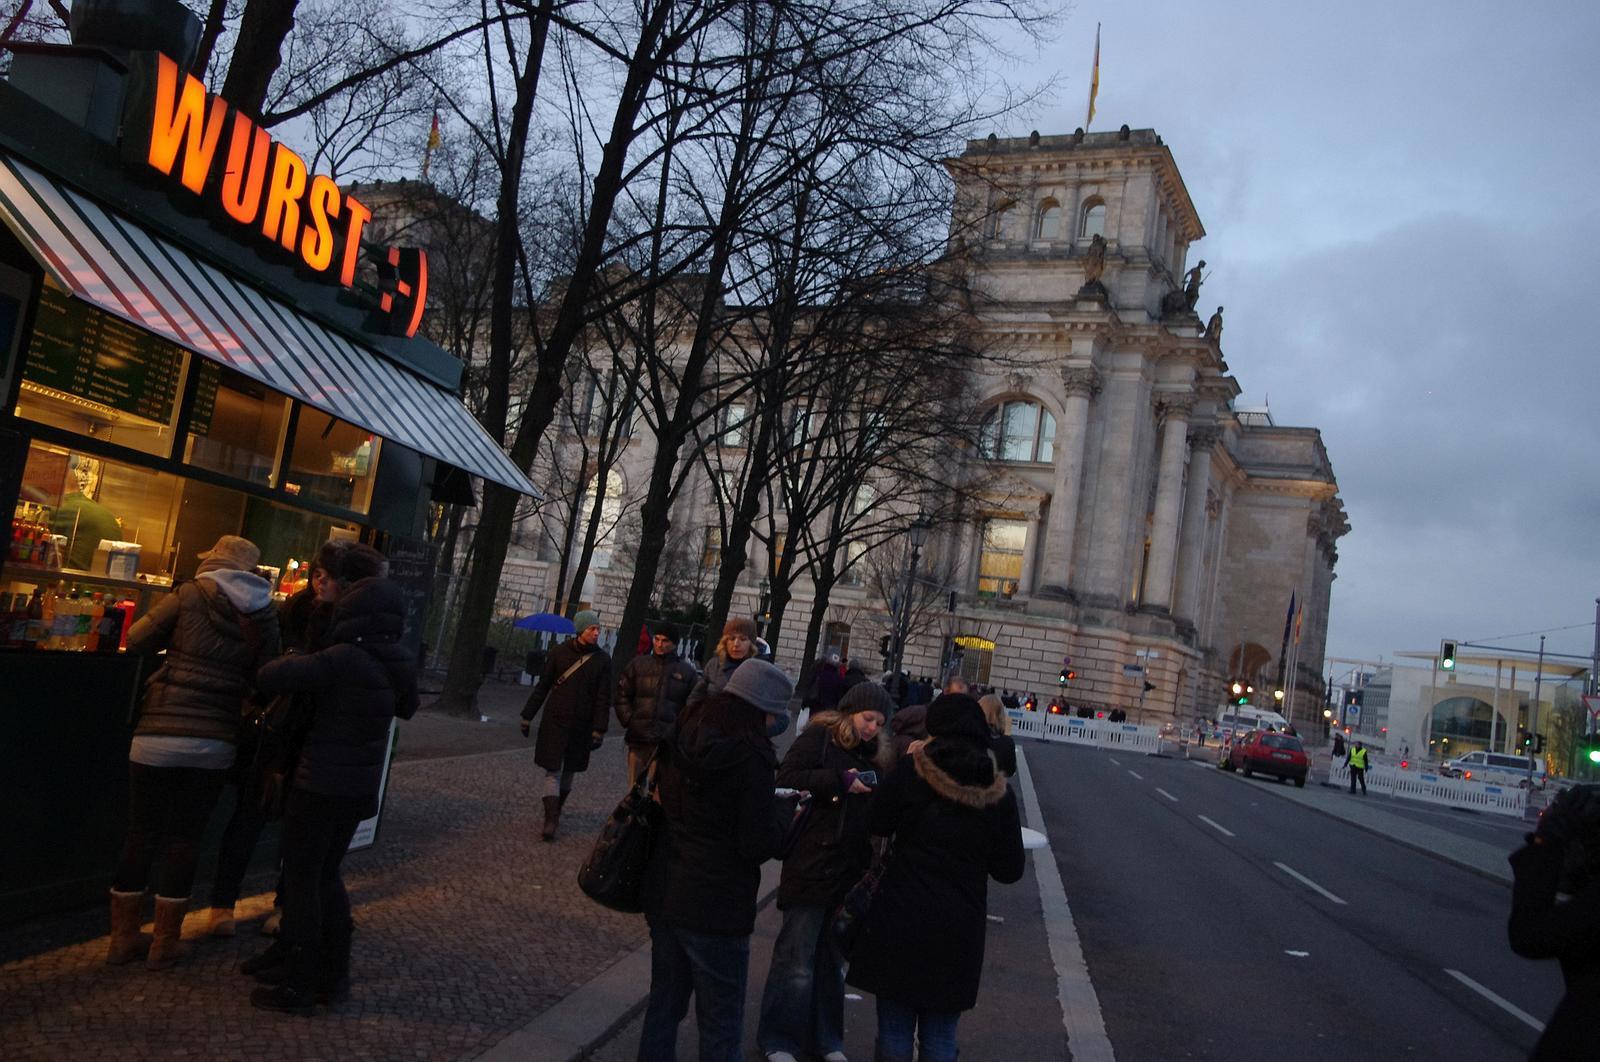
[(545, 621)]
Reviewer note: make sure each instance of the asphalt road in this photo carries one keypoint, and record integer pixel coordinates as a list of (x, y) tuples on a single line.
[(1219, 921)]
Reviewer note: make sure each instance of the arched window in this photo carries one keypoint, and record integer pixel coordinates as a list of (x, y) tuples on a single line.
[(1049, 220), (610, 516), (1018, 431), (1000, 220), (1094, 219)]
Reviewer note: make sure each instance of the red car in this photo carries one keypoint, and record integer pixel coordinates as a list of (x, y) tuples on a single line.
[(1267, 751)]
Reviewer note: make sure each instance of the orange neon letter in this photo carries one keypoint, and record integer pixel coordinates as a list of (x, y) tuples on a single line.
[(248, 148), (419, 298), (359, 215), (182, 123), (322, 206), (281, 219)]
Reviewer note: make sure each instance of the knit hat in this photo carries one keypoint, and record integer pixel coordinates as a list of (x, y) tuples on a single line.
[(235, 552), (668, 630), (867, 697), (584, 620), (761, 685), (740, 625), (956, 715)]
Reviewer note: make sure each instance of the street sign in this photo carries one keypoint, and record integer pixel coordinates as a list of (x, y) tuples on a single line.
[(1592, 703), (1132, 671)]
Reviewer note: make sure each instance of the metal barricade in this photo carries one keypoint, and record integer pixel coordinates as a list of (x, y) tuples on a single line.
[(1430, 788)]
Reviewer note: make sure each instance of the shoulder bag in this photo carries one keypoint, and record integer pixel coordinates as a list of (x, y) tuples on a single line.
[(852, 911), (613, 875)]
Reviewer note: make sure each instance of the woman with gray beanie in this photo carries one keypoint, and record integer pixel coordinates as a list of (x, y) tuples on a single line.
[(839, 759), (720, 824)]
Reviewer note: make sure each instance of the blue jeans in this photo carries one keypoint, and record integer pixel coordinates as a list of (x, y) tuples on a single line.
[(708, 966), (900, 1026), (803, 1005)]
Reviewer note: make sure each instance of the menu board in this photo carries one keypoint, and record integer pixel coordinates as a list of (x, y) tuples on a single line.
[(209, 376), (411, 565), (84, 352)]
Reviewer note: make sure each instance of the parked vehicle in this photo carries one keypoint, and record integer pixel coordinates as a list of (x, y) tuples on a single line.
[(1267, 751), (1503, 768)]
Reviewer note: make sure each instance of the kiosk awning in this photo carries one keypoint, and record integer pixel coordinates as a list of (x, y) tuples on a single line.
[(126, 270)]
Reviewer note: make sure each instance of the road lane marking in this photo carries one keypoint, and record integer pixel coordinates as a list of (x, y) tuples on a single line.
[(1307, 882), (1136, 774), (1216, 826), (1166, 794), (1114, 761), (1080, 1006), (1499, 1001)]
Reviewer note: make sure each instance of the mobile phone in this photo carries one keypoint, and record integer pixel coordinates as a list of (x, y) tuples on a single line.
[(868, 778)]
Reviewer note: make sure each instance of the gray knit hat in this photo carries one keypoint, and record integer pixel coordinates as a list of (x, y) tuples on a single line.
[(761, 685), (584, 620), (867, 697)]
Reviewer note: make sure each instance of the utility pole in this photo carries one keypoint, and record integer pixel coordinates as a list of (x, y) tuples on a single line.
[(1533, 711)]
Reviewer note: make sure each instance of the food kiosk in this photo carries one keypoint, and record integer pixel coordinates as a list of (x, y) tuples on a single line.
[(195, 340)]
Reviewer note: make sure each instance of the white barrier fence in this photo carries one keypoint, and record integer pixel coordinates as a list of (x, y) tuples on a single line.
[(1430, 788), (1099, 733)]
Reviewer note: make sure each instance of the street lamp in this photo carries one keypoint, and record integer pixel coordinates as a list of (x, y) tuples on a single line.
[(918, 532)]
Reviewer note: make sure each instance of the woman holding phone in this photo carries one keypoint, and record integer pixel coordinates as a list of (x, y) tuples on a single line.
[(838, 759)]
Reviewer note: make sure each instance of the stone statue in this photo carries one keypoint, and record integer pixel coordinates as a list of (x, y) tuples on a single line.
[(1094, 267), (1191, 284), (1213, 330)]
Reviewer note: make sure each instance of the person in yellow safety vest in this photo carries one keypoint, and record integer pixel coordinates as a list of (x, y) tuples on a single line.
[(1356, 760)]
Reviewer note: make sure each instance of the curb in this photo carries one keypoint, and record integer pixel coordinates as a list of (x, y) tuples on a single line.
[(590, 1017)]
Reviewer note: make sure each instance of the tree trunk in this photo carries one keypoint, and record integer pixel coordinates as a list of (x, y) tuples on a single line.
[(257, 54)]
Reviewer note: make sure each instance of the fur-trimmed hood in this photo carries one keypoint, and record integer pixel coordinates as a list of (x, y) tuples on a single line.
[(881, 750), (960, 772)]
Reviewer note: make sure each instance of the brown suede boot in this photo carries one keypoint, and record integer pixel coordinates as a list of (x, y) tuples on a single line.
[(127, 943), (552, 817), (220, 922), (168, 946)]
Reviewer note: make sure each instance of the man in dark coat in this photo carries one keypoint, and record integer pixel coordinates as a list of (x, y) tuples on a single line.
[(356, 687), (1563, 855), (720, 824), (575, 690), (650, 694), (953, 824)]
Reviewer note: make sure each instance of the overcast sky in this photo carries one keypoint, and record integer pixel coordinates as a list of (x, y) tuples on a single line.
[(1403, 221)]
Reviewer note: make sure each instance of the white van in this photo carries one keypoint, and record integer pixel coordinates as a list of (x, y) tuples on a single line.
[(1239, 718), (1503, 768)]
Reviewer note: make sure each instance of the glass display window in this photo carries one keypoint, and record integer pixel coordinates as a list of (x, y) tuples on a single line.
[(332, 461), (97, 375), (237, 425)]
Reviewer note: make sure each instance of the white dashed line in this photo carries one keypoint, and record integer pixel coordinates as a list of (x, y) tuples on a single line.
[(1114, 761), (1166, 794), (1137, 775), (1216, 826), (1307, 882), (1499, 1001)]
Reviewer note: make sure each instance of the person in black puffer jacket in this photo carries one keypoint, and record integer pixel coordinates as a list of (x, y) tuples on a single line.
[(357, 685), (953, 824), (216, 630), (650, 694), (720, 824), (802, 1008)]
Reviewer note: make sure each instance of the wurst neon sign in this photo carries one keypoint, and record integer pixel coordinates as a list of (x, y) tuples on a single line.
[(235, 167)]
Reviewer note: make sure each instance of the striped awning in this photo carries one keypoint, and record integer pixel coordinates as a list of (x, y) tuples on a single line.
[(123, 268)]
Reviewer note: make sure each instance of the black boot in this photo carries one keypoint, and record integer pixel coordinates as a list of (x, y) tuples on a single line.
[(297, 994), (333, 964), (552, 817), (276, 955)]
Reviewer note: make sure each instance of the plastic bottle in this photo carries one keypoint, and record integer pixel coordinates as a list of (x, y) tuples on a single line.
[(96, 619)]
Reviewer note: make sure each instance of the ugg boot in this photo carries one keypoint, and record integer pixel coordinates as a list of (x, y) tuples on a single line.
[(167, 946), (333, 963), (297, 994), (220, 922), (127, 943), (273, 958), (552, 817)]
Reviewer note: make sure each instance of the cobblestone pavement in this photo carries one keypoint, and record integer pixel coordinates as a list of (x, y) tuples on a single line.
[(468, 926)]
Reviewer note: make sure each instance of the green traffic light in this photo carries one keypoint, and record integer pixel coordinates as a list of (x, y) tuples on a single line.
[(1594, 755)]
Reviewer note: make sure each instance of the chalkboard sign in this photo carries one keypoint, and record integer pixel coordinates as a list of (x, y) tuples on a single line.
[(81, 351), (411, 566)]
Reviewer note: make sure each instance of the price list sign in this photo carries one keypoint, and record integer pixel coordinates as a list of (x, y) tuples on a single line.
[(84, 352)]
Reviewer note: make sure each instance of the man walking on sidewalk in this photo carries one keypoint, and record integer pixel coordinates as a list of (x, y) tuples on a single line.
[(575, 692), (1357, 762), (650, 694)]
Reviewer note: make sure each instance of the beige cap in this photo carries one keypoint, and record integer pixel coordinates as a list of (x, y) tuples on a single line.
[(236, 552)]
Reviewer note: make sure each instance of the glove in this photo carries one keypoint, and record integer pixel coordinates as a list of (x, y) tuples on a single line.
[(596, 739), (525, 724)]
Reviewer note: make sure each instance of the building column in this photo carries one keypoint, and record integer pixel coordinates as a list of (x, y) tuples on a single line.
[(1072, 433), (1192, 550), (1030, 552), (1169, 501)]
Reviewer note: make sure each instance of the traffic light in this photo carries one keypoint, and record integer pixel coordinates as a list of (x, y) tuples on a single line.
[(883, 649), (1148, 686), (1447, 656), (1067, 675), (1525, 739), (1538, 743), (1590, 743)]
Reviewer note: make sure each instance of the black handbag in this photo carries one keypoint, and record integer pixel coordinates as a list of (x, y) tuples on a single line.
[(794, 811), (278, 729), (613, 875), (851, 913)]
